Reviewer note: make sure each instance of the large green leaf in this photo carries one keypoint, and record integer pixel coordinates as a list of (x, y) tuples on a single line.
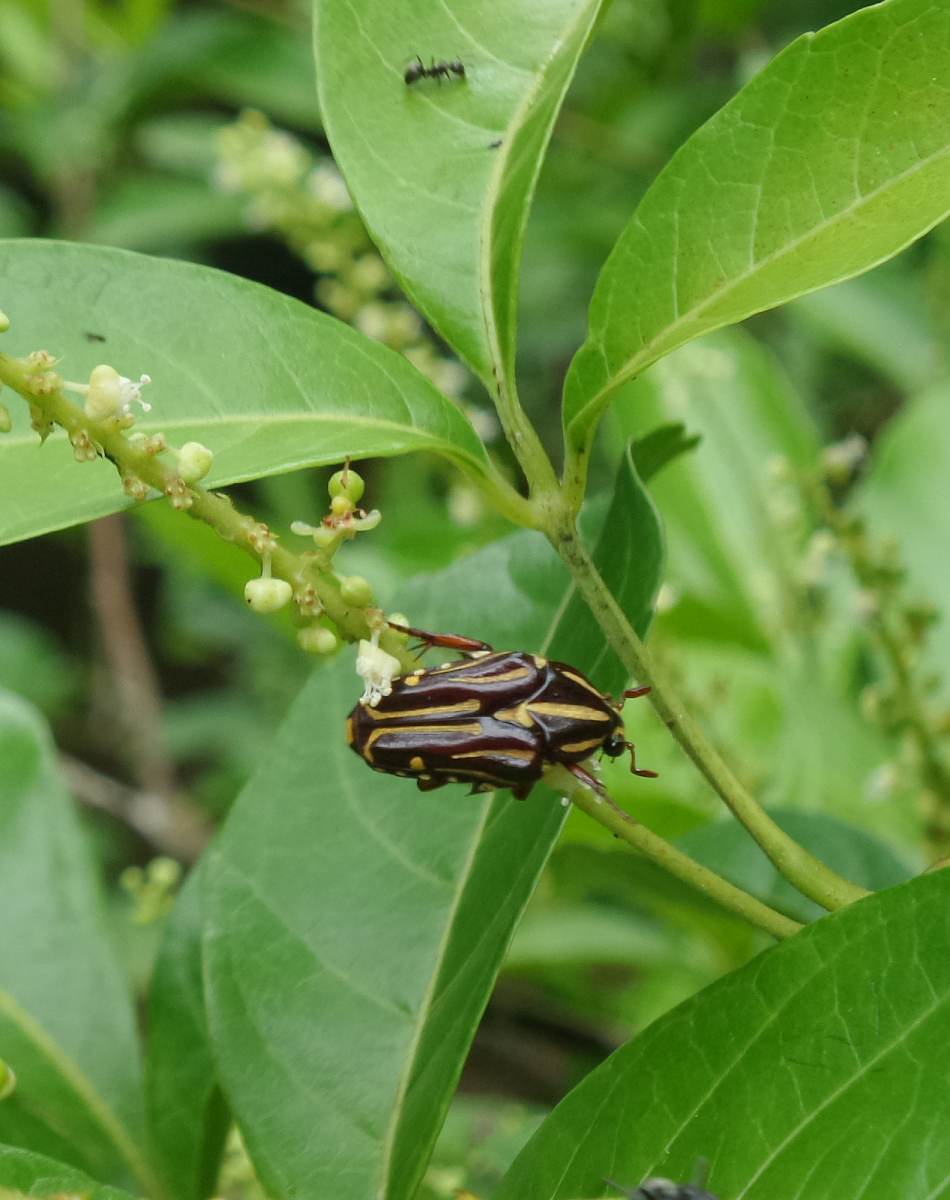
[(829, 161), (444, 174), (817, 1070), (66, 1020), (355, 927), (37, 1175), (188, 1119), (264, 381)]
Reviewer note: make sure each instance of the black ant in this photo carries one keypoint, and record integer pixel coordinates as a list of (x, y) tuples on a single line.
[(443, 70)]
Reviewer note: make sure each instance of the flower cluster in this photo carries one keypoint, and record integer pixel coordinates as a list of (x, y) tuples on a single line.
[(306, 202)]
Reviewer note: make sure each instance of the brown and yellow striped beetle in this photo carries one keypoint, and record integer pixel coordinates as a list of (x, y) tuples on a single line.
[(494, 720)]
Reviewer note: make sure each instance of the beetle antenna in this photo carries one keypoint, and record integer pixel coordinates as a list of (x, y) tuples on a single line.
[(634, 693)]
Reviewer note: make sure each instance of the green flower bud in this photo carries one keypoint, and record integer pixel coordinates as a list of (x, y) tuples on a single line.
[(164, 871), (7, 1077), (317, 640), (267, 595), (4, 322), (325, 537), (356, 590), (194, 461), (399, 619), (6, 421), (105, 393), (354, 485)]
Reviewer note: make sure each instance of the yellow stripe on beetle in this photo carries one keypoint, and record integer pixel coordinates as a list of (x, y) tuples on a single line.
[(570, 712)]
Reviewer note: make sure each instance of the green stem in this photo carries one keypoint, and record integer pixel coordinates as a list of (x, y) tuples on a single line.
[(895, 649), (522, 435), (500, 494), (799, 867), (609, 814), (213, 508)]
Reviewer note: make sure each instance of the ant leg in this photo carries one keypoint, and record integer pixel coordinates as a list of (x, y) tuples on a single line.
[(644, 773), (633, 693)]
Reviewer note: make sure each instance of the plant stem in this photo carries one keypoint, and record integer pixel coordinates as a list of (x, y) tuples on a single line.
[(799, 867), (882, 581), (609, 814), (135, 464)]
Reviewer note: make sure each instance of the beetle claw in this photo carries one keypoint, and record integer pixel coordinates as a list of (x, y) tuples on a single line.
[(429, 785)]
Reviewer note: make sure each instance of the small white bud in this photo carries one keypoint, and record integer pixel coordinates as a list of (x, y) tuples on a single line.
[(194, 461), (317, 640), (378, 670), (267, 595), (356, 590), (104, 399)]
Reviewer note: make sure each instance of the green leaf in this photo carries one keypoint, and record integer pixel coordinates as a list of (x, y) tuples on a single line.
[(725, 847), (629, 556), (444, 175), (37, 1175), (188, 1119), (661, 446), (66, 1020), (355, 926), (264, 381), (354, 929), (881, 319), (831, 160), (726, 560), (817, 1070)]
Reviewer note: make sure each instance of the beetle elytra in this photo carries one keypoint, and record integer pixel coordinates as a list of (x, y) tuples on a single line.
[(492, 719)]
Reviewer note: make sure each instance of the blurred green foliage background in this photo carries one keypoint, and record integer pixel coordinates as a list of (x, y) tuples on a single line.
[(121, 123)]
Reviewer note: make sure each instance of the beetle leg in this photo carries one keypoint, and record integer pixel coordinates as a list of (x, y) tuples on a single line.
[(586, 778), (429, 785), (451, 641), (634, 769), (523, 792), (633, 693)]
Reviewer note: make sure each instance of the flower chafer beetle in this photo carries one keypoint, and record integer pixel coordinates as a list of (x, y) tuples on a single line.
[(495, 720)]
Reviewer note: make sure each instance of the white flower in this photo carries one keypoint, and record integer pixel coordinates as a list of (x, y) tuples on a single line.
[(129, 391), (378, 670), (109, 394)]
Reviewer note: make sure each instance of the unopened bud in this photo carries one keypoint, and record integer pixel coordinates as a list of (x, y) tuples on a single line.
[(4, 322), (194, 461), (325, 537), (317, 640), (7, 1077), (347, 483), (399, 619), (104, 399), (356, 590), (6, 421), (267, 595)]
